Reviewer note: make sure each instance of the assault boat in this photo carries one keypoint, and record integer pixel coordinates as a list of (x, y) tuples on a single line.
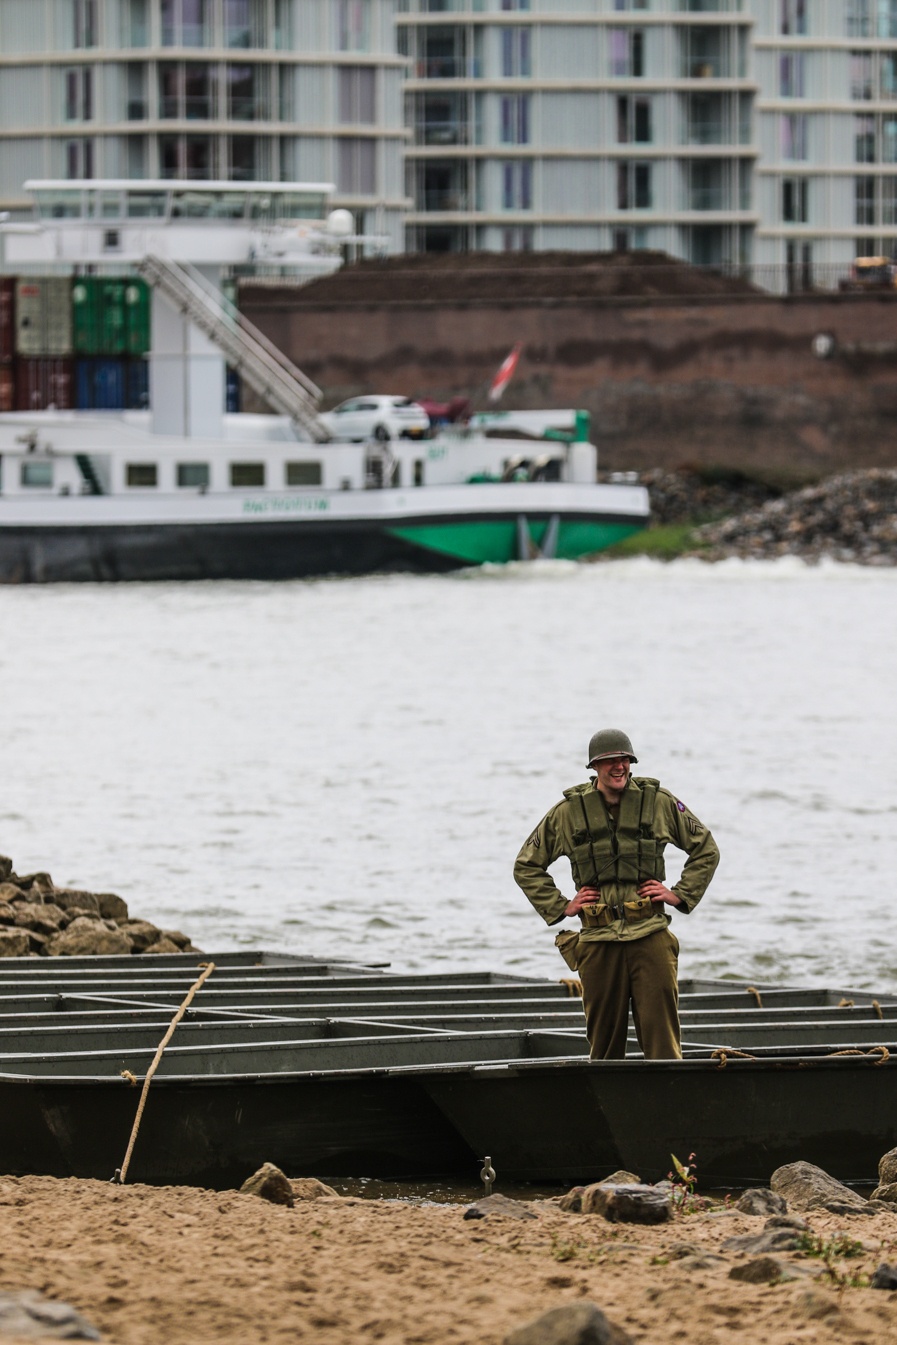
[(349, 1070), (184, 490)]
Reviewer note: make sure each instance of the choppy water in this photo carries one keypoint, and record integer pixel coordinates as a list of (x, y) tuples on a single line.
[(347, 767)]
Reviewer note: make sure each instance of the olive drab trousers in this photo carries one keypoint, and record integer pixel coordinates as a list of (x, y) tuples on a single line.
[(640, 972)]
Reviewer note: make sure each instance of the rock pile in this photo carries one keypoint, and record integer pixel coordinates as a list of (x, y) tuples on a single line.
[(687, 496), (850, 517), (39, 919)]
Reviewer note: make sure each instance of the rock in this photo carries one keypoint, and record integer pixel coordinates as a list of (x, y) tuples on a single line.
[(46, 917), (270, 1184), (621, 1178), (473, 1213), (788, 1221), (32, 882), (87, 937), (5, 868), (630, 1204), (886, 1193), (887, 1168), (161, 945), (501, 1205), (813, 1303), (770, 1240), (7, 913), (766, 1270), (573, 1324), (572, 1201), (309, 1188), (14, 943), (9, 892), (29, 1315), (180, 940), (760, 1200), (70, 899), (112, 907), (141, 933), (885, 1277), (806, 1187)]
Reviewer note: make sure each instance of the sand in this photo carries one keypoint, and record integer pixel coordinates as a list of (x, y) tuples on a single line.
[(179, 1265)]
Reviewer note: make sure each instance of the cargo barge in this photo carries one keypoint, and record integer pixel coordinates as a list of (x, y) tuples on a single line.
[(123, 457)]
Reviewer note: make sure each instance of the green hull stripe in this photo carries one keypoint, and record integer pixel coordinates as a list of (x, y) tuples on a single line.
[(478, 541)]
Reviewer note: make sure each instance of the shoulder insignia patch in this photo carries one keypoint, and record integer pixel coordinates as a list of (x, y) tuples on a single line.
[(536, 838), (680, 806), (694, 826)]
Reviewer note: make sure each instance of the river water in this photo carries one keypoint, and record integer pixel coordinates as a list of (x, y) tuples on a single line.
[(348, 767)]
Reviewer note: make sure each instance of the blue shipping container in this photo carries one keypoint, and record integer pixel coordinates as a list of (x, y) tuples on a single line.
[(137, 396), (100, 385), (232, 390)]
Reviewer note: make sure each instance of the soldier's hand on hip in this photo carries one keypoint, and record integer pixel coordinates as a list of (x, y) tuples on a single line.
[(584, 897), (657, 892)]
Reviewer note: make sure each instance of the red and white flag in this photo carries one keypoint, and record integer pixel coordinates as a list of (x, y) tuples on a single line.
[(505, 374)]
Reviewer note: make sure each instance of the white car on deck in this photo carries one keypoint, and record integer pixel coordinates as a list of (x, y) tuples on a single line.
[(378, 417)]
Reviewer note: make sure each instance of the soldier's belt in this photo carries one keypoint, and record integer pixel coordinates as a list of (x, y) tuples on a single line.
[(601, 913)]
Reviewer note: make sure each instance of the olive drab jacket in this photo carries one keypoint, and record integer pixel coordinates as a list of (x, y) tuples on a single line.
[(615, 855)]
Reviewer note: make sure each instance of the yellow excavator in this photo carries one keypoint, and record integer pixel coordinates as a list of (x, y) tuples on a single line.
[(871, 273)]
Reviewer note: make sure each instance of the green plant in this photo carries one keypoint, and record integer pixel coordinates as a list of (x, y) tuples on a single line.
[(564, 1251), (829, 1251)]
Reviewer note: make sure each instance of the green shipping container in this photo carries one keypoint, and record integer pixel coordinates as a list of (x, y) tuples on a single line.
[(137, 316), (86, 327), (113, 323)]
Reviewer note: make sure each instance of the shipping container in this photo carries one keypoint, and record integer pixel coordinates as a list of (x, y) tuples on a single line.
[(113, 330), (41, 384), (7, 318), (7, 388), (232, 390), (137, 385), (43, 316), (100, 384), (137, 315), (85, 315)]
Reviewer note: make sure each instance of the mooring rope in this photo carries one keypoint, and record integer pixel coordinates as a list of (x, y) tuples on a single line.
[(873, 1050), (722, 1055), (877, 1007), (574, 987), (122, 1172), (752, 990)]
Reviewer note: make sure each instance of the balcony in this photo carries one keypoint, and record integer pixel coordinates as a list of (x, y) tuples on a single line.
[(442, 133), (708, 198), (445, 199)]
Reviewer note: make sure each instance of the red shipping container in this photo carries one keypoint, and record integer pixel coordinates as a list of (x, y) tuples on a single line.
[(7, 317), (7, 388), (42, 384)]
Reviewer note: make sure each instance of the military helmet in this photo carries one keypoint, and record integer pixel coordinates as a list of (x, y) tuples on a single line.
[(610, 743)]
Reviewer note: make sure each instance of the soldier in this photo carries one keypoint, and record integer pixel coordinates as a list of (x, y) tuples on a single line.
[(613, 830)]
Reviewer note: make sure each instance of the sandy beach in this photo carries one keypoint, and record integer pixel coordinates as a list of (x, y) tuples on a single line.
[(184, 1266)]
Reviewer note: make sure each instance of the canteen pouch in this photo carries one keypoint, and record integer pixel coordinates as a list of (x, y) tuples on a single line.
[(567, 943)]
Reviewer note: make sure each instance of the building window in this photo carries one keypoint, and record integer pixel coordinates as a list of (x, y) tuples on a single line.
[(137, 25), (627, 53), (353, 21), (515, 52), (186, 156), (864, 198), (873, 75), (246, 92), (79, 159), (141, 474), (872, 18), (864, 139), (85, 17), (519, 239), (250, 474), (241, 158), (515, 119), (36, 474), (794, 200), (515, 4), (791, 74), (794, 17), (517, 184), (193, 474), (185, 23), (185, 91), (79, 94), (634, 121), (304, 474), (793, 129), (357, 90), (633, 186), (888, 187), (355, 167)]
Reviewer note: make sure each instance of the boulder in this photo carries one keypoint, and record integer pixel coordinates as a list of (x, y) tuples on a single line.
[(14, 943), (270, 1184), (788, 1221), (886, 1193), (767, 1270), (806, 1187), (162, 945), (760, 1200), (45, 917), (180, 940), (815, 1304), (571, 1203), (112, 907), (28, 1315), (573, 1324), (629, 1204), (500, 1205), (5, 868), (32, 882), (141, 933), (885, 1277), (309, 1188), (887, 1168), (86, 937), (9, 892), (7, 913), (71, 899), (770, 1240)]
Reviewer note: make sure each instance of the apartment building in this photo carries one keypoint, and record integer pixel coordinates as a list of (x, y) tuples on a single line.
[(244, 90)]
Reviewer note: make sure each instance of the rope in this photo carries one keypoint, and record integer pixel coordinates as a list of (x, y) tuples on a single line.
[(845, 1003), (208, 968), (574, 987), (723, 1053), (752, 990), (877, 1007), (873, 1050)]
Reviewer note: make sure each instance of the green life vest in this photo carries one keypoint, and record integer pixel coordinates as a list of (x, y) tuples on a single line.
[(626, 853)]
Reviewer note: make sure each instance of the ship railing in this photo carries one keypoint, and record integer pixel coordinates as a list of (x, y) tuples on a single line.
[(267, 370)]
